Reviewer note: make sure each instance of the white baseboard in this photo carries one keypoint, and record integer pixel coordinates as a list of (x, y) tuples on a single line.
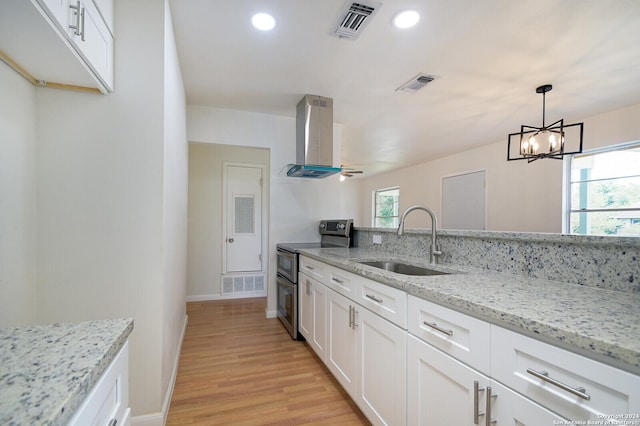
[(160, 419), (271, 314), (209, 297)]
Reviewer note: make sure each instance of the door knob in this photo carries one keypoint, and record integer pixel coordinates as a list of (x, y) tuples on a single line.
[(230, 240)]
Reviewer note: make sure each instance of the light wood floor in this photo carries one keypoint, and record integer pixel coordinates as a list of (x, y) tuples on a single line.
[(239, 368)]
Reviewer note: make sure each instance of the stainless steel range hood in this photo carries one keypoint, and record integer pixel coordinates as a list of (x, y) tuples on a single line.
[(314, 139)]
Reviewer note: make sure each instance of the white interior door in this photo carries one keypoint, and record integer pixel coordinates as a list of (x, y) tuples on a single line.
[(243, 219)]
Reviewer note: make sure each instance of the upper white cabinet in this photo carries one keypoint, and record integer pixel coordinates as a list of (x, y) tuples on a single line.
[(61, 43)]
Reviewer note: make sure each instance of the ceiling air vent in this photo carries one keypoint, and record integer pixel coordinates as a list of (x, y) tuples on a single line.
[(354, 18), (416, 83)]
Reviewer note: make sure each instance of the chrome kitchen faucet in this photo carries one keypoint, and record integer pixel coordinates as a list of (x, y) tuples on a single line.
[(435, 250)]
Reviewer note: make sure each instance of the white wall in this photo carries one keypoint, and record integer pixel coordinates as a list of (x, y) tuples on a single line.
[(296, 205), (17, 200), (519, 196), (112, 180), (205, 233), (175, 195)]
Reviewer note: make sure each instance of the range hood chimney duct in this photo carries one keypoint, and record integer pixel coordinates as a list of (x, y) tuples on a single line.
[(314, 139)]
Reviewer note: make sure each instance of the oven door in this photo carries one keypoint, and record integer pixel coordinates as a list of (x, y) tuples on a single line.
[(287, 264), (288, 305)]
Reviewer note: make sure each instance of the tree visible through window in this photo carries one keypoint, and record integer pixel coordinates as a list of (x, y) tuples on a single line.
[(386, 206), (604, 192)]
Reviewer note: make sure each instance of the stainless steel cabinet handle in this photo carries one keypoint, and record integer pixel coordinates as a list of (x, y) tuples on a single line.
[(543, 375), (375, 299), (437, 327), (338, 280), (76, 27), (113, 422), (350, 316), (355, 312), (82, 23), (308, 288), (309, 267), (487, 411), (476, 403)]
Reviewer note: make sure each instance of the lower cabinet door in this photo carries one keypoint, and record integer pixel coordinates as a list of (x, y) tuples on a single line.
[(305, 307), (381, 390), (510, 408), (342, 340), (441, 390), (318, 338)]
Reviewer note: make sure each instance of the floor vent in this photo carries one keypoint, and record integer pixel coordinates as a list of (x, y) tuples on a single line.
[(244, 285), (416, 83), (354, 18)]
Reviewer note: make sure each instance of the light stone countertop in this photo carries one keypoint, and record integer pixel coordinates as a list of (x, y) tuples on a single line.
[(601, 324), (46, 371)]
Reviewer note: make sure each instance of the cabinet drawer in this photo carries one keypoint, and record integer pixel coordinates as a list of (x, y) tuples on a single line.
[(461, 336), (388, 302), (344, 282), (574, 386), (108, 401), (312, 268)]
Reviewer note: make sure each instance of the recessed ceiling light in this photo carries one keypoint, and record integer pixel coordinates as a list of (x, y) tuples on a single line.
[(263, 21), (406, 19)]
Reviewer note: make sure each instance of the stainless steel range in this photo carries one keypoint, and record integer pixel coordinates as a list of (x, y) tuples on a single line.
[(333, 233)]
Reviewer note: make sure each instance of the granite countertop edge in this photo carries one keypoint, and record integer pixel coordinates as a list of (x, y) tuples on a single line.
[(47, 383), (572, 317)]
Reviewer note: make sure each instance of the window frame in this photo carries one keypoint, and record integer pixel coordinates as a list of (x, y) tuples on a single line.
[(566, 187), (374, 215)]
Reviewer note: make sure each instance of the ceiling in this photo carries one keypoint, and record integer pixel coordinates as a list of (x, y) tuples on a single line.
[(488, 56)]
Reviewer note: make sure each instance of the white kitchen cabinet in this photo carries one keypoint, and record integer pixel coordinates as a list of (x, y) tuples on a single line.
[(92, 39), (342, 340), (305, 307), (441, 389), (108, 401), (388, 302), (58, 11), (459, 335), (38, 36), (381, 389), (314, 269), (344, 282), (313, 313), (569, 384)]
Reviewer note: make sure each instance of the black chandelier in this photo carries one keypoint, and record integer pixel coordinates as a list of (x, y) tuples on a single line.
[(533, 143)]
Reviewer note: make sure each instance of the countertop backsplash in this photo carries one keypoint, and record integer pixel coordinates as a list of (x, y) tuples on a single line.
[(611, 263)]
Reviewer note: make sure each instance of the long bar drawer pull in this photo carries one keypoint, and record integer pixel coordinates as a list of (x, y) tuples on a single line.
[(543, 375), (309, 267), (338, 280), (437, 327), (375, 299)]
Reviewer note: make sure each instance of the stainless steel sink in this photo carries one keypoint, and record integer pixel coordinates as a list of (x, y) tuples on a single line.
[(403, 268)]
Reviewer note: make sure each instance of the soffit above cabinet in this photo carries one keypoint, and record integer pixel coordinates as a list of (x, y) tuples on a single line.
[(31, 40)]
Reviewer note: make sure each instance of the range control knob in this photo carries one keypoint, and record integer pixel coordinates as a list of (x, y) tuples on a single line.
[(322, 225), (341, 226)]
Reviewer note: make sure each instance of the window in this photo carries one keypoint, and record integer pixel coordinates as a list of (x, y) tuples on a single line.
[(385, 207), (603, 192)]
